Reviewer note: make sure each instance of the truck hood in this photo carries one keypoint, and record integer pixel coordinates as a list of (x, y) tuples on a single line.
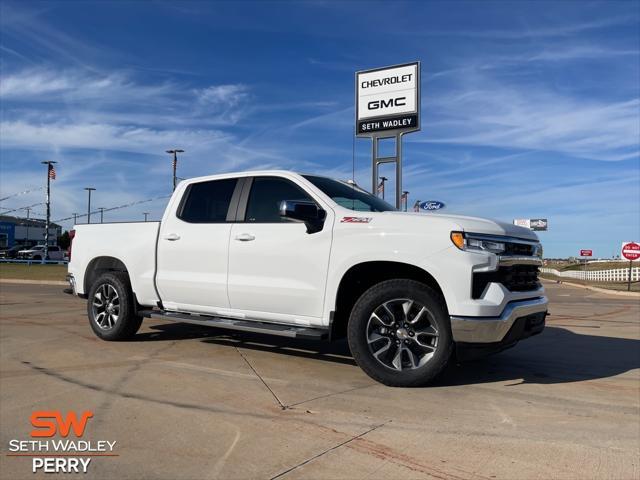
[(474, 224)]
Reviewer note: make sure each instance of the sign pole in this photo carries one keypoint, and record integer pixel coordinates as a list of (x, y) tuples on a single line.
[(399, 171), (374, 170), (376, 161), (629, 279)]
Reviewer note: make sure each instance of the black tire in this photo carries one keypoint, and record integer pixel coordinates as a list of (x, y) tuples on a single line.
[(360, 329), (127, 321)]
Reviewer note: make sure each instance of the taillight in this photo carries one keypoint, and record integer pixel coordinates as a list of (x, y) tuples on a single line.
[(72, 234)]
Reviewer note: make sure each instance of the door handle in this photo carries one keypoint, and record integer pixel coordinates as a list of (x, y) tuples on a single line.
[(172, 237), (245, 237)]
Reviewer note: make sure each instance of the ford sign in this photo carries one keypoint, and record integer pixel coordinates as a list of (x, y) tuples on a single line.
[(431, 205)]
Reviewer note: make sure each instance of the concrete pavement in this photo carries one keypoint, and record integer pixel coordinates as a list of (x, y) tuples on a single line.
[(188, 402)]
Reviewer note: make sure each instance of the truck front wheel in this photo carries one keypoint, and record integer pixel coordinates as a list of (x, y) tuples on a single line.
[(399, 333), (111, 307)]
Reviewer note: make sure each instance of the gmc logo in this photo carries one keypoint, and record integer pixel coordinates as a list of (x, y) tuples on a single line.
[(392, 102)]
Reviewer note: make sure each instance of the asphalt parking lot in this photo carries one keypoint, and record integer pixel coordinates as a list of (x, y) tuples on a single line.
[(189, 402)]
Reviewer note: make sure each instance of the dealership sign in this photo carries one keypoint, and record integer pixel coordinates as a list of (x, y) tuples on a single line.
[(388, 99), (586, 253), (630, 251), (431, 205), (538, 224)]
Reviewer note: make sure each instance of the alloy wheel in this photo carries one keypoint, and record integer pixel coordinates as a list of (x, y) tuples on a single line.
[(106, 306), (402, 334)]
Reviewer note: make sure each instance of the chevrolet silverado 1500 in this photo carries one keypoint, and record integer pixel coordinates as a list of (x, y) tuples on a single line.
[(305, 256)]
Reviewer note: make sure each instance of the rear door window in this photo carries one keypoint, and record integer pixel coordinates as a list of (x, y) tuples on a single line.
[(208, 202)]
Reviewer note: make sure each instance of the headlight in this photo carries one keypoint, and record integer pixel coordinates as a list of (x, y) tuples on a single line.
[(476, 243)]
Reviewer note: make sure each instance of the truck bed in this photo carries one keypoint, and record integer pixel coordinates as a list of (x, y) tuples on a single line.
[(133, 243)]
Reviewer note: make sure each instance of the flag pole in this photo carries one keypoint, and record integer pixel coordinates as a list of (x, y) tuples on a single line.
[(46, 228)]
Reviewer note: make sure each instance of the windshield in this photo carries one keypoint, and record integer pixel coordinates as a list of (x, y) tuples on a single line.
[(349, 196)]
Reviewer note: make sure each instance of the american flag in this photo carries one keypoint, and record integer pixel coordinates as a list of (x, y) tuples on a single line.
[(174, 162), (404, 198), (52, 172), (416, 206), (381, 186)]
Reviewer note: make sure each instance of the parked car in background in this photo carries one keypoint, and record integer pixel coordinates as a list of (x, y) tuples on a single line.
[(11, 252), (37, 253)]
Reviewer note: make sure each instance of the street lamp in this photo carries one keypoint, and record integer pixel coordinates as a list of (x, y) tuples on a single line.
[(89, 189), (28, 209), (75, 218), (174, 164), (101, 214), (145, 215)]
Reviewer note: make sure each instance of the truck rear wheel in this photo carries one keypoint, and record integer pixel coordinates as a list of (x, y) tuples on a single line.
[(111, 307), (399, 333)]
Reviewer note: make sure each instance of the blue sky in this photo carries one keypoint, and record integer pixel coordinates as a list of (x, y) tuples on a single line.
[(529, 109)]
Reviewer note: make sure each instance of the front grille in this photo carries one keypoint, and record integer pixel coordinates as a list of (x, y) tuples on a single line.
[(519, 249), (516, 278)]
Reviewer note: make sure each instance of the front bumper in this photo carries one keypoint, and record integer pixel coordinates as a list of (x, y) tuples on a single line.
[(495, 329)]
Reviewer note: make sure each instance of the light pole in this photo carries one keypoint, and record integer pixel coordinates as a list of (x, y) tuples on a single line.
[(174, 164), (28, 209), (405, 198), (145, 215), (89, 189), (51, 173), (101, 214), (75, 219)]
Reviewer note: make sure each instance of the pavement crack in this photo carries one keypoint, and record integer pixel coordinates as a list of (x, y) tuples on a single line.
[(282, 405), (291, 405), (304, 462)]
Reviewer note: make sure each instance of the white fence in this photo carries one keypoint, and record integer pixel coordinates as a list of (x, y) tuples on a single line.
[(614, 275)]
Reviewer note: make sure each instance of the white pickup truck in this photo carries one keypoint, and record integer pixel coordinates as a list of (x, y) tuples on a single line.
[(305, 256)]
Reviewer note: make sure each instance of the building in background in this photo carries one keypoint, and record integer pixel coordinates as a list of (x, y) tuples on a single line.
[(23, 231)]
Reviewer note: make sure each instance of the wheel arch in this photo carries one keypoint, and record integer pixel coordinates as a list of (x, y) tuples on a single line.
[(100, 265), (362, 276)]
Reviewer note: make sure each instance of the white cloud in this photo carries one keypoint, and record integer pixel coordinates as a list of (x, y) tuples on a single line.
[(64, 86), (482, 111), (20, 134), (581, 52), (118, 98), (222, 95), (526, 32)]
